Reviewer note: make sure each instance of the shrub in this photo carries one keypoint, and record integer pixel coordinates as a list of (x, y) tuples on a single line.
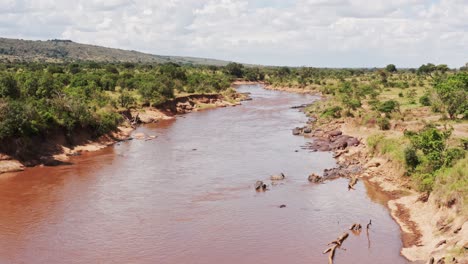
[(453, 92), (411, 158), (389, 106), (106, 122), (424, 181), (334, 112), (383, 123), (8, 86), (425, 100)]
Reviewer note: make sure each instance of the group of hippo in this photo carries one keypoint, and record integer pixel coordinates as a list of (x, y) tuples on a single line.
[(333, 140), (261, 186), (313, 178), (328, 141)]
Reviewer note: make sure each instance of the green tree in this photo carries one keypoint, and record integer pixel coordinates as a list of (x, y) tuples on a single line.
[(453, 92), (235, 69), (391, 68), (389, 106), (8, 86)]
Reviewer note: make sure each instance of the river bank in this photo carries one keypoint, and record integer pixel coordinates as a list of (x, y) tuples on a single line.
[(57, 148), (430, 232)]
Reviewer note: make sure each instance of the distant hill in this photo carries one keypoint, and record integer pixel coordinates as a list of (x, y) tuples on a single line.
[(66, 50)]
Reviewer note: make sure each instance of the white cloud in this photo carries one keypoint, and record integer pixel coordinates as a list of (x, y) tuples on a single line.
[(299, 32)]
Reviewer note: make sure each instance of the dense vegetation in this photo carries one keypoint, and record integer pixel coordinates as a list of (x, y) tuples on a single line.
[(40, 98)]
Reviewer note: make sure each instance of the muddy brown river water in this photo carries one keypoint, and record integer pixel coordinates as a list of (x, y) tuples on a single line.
[(188, 197)]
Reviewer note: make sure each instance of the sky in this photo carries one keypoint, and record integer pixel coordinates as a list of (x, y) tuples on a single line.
[(319, 33)]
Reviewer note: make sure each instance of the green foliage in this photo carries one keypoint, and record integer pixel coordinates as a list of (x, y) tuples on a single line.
[(411, 158), (389, 106), (429, 153), (8, 86), (393, 148), (425, 100), (425, 181), (126, 99), (235, 69), (453, 92), (451, 183), (36, 98), (105, 122), (383, 123), (412, 96), (17, 119), (391, 68), (334, 112), (426, 68)]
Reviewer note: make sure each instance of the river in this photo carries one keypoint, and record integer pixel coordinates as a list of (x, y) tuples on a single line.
[(188, 197)]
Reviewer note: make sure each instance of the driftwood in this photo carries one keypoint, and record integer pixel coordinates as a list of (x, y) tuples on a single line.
[(332, 255), (336, 243), (352, 182), (340, 240)]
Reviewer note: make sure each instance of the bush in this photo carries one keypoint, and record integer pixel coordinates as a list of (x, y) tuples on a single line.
[(452, 155), (424, 181), (411, 158), (383, 123), (425, 100), (452, 183), (106, 122), (373, 142), (453, 92), (334, 112), (389, 106), (8, 86)]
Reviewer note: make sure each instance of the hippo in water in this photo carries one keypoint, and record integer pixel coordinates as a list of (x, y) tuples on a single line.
[(260, 186), (278, 177)]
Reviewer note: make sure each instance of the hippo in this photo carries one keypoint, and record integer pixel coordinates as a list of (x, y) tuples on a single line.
[(296, 131), (314, 178), (278, 177), (260, 186)]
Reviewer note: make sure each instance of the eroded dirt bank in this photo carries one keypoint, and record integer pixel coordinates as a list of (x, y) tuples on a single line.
[(56, 147)]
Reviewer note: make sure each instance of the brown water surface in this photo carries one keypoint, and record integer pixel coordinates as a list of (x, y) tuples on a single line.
[(161, 201)]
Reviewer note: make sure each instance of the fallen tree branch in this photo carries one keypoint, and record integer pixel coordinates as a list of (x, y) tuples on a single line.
[(332, 254), (336, 243)]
